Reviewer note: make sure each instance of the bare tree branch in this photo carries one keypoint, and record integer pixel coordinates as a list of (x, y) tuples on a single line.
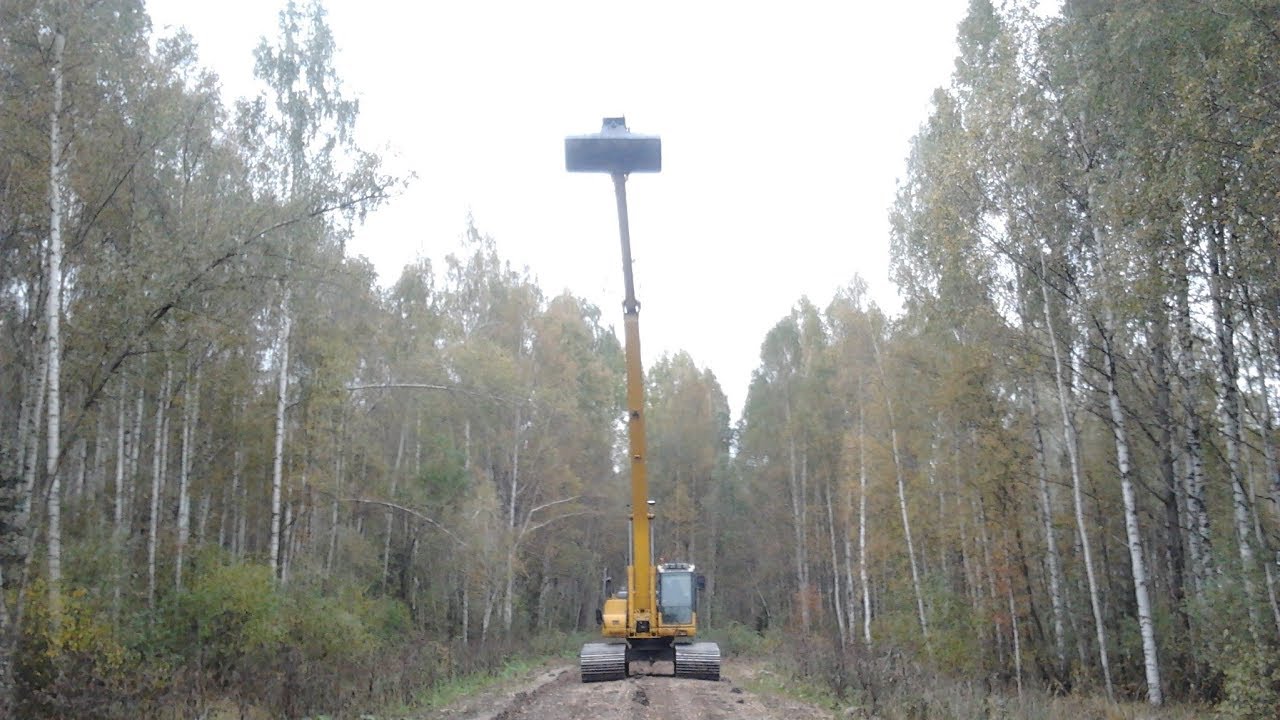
[(442, 388), (408, 510)]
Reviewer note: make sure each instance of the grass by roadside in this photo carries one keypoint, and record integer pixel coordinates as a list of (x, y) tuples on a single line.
[(541, 653), (768, 680), (886, 688)]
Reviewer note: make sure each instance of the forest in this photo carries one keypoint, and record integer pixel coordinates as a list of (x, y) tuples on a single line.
[(236, 471)]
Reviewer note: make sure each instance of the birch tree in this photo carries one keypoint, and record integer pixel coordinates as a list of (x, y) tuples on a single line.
[(53, 319)]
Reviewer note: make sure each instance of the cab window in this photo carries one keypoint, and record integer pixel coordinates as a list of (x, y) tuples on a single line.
[(675, 597)]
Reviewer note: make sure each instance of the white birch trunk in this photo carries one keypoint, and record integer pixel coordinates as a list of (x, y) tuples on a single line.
[(1267, 429), (508, 591), (1052, 556), (981, 507), (81, 454), (798, 529), (339, 462), (127, 449), (1268, 573), (133, 473), (1141, 589), (1229, 412), (29, 443), (159, 462), (1017, 641), (190, 416), (862, 526), (508, 599), (242, 521), (850, 587), (395, 475), (1146, 622), (1193, 477), (488, 615), (1077, 492), (465, 620), (906, 528), (967, 564), (1272, 473), (53, 319), (98, 477), (225, 517), (277, 459), (902, 498), (836, 597), (121, 456)]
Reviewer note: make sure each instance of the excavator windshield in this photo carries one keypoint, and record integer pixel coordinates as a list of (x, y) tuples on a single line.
[(676, 597)]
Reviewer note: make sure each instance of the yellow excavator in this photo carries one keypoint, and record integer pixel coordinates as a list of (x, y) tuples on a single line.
[(656, 617)]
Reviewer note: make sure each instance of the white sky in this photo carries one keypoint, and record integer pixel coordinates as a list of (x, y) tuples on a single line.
[(784, 127)]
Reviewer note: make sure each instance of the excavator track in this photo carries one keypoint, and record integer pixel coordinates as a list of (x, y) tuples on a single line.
[(700, 661), (604, 661)]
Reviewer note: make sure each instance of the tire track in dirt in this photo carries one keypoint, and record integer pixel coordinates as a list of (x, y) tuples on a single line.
[(650, 693)]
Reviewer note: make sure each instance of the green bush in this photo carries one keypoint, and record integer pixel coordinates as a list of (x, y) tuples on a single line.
[(79, 666), (230, 612), (734, 638), (1251, 687)]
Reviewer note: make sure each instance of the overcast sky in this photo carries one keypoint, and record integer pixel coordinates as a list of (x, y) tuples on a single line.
[(784, 128)]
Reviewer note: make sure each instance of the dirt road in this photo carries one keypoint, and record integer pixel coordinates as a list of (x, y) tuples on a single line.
[(556, 693)]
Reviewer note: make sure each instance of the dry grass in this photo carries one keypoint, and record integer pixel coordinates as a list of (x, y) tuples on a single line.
[(894, 687)]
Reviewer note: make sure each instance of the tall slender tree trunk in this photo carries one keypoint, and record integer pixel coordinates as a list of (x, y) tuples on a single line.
[(53, 320), (850, 587), (1169, 494), (158, 465), (339, 462), (117, 526), (513, 536), (286, 541), (992, 599), (1266, 421), (277, 458), (1014, 625), (1272, 473), (902, 498), (487, 617), (862, 526), (1141, 589), (1197, 512), (127, 460), (1073, 454), (465, 620), (906, 527), (798, 526), (1052, 557), (1228, 375), (395, 476), (81, 454), (190, 417), (1269, 575), (837, 600), (17, 483), (19, 489)]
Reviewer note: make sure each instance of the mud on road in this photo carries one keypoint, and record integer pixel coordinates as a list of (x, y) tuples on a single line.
[(557, 693)]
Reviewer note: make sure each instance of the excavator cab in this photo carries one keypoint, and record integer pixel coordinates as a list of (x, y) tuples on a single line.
[(677, 594)]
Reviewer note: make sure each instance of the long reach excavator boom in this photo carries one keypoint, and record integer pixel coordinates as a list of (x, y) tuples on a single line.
[(656, 617)]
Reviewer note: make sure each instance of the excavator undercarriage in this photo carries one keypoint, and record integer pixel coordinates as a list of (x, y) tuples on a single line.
[(612, 661)]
